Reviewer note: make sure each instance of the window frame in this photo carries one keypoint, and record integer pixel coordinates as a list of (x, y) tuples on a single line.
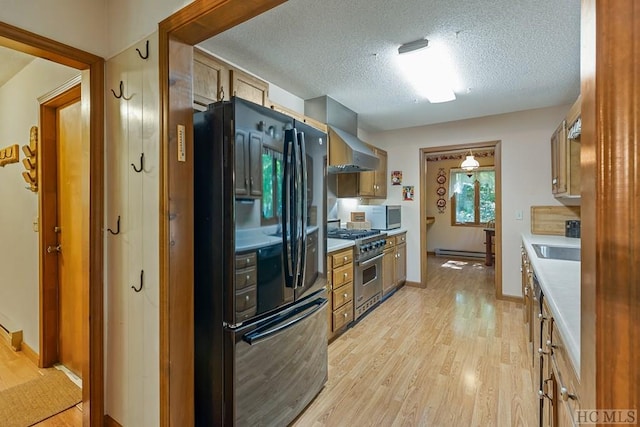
[(476, 197)]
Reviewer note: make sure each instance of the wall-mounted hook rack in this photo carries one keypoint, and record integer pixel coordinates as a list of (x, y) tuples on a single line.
[(117, 228), (121, 94), (141, 168), (138, 289), (146, 55)]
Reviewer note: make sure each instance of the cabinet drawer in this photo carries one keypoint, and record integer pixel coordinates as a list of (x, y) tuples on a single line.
[(391, 242), (342, 295), (245, 278), (401, 238), (342, 258), (246, 299), (245, 260), (342, 275), (342, 316)]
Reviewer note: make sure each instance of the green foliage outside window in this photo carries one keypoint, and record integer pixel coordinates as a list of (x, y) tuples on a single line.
[(473, 196), (271, 185)]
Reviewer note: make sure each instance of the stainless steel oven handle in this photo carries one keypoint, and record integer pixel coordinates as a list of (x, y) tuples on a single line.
[(375, 258)]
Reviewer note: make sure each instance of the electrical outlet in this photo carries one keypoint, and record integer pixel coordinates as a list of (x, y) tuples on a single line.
[(519, 215)]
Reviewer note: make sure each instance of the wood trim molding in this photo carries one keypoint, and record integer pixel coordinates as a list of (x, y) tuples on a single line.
[(610, 301), (30, 354), (424, 153), (110, 422), (92, 67)]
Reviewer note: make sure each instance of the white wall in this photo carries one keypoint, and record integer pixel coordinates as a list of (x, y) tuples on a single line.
[(19, 110), (526, 168), (77, 23)]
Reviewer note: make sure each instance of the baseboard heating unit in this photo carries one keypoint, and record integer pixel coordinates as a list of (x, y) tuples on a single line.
[(459, 253)]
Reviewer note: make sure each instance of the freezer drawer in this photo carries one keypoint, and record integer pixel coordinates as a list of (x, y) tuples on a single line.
[(280, 366)]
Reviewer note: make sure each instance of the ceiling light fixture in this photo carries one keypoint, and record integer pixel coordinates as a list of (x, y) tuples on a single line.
[(428, 69), (470, 163), (413, 46)]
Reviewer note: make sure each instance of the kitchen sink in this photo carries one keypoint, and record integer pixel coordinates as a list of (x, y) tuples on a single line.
[(557, 252)]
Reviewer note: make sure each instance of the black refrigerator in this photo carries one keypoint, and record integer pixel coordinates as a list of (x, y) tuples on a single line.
[(260, 314)]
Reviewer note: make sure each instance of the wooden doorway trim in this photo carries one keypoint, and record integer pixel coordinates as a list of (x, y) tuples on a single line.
[(47, 212), (92, 68), (424, 152), (178, 34)]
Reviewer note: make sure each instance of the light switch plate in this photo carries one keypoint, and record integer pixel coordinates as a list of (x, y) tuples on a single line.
[(519, 215)]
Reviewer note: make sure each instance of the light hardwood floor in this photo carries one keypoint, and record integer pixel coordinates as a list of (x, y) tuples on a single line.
[(16, 369), (447, 355)]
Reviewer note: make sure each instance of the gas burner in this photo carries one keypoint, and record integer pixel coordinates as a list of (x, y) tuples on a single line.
[(351, 234)]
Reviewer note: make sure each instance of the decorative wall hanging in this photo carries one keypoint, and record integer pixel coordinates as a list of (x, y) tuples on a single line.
[(396, 178), (407, 193), (441, 179), (10, 154), (31, 161)]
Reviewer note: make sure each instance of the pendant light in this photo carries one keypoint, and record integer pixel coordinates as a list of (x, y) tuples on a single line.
[(470, 163)]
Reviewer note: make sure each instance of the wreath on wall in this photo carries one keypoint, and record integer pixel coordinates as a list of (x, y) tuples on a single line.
[(441, 179)]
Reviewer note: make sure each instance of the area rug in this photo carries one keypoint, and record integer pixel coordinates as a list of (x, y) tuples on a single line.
[(29, 403)]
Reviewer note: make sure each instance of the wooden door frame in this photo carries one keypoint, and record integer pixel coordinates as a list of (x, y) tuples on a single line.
[(191, 25), (424, 152), (92, 70), (47, 213)]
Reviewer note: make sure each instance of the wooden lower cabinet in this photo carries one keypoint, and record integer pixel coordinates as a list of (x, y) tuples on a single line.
[(394, 263), (565, 399), (339, 290)]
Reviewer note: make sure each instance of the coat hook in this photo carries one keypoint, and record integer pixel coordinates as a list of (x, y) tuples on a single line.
[(141, 282), (121, 95), (141, 164), (147, 54), (117, 228)]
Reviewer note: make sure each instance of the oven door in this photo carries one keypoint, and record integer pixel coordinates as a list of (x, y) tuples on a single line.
[(367, 284)]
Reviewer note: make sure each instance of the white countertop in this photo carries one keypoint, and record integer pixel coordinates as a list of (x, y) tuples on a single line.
[(395, 231), (560, 283), (256, 238), (337, 244)]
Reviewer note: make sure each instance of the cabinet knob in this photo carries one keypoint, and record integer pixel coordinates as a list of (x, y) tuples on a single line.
[(346, 315), (346, 258), (541, 351), (248, 260), (246, 298), (346, 275), (248, 277), (566, 395), (346, 295)]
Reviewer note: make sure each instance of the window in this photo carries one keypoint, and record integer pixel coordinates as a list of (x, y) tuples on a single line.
[(473, 196), (271, 185)]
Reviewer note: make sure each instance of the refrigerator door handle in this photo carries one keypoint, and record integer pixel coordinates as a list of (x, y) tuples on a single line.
[(285, 322), (303, 193), (287, 231)]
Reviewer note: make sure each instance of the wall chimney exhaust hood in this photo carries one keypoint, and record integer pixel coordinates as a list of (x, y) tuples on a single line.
[(347, 153)]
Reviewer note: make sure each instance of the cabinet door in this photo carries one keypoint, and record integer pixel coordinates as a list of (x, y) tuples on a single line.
[(401, 263), (255, 164), (242, 163), (381, 175), (210, 80), (366, 184), (311, 264), (248, 87), (559, 160), (388, 271)]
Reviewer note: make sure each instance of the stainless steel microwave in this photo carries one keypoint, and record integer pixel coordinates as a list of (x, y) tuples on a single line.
[(382, 217)]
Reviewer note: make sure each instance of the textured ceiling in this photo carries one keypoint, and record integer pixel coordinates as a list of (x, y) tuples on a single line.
[(11, 62), (509, 55)]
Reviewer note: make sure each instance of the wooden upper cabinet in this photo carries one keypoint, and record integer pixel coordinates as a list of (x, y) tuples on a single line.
[(370, 184), (565, 155), (215, 80), (248, 87), (210, 80)]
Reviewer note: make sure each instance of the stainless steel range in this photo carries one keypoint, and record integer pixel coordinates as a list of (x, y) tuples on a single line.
[(367, 283)]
